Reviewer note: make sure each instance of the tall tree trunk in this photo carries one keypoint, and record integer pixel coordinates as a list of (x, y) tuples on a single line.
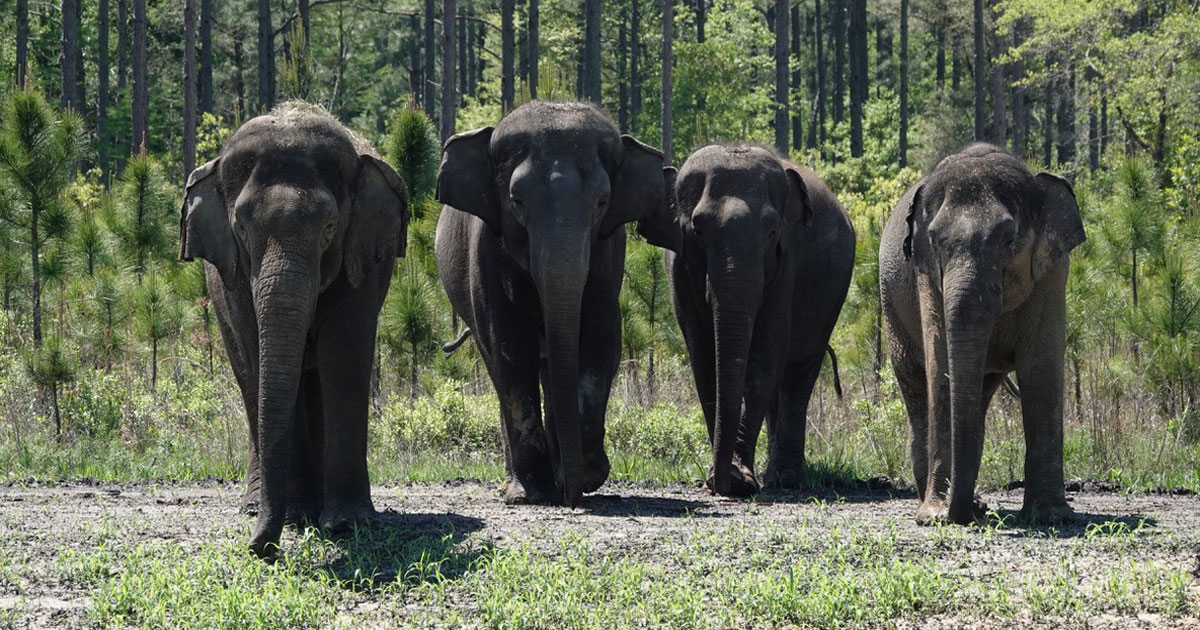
[(1066, 120), (622, 75), (837, 23), (414, 60), (521, 27), (448, 98), (473, 27), (858, 73), (535, 52), (1103, 119), (635, 64), (266, 57), (205, 80), (955, 69), (701, 21), (80, 70), (123, 47), (506, 55), (903, 157), (781, 76), (305, 11), (141, 94), (668, 86), (189, 87), (1020, 105), (591, 51), (797, 112), (999, 92), (68, 58), (22, 41), (940, 36), (430, 56), (816, 131), (1048, 124), (102, 95), (464, 62), (980, 109)]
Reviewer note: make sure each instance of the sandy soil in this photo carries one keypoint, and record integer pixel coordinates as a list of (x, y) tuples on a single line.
[(38, 522)]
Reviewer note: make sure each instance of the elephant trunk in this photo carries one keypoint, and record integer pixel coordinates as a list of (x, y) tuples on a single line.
[(971, 300), (560, 277), (733, 324), (283, 300)]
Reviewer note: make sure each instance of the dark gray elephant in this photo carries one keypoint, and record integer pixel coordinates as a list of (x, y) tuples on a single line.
[(299, 224), (531, 250), (762, 270), (972, 275)]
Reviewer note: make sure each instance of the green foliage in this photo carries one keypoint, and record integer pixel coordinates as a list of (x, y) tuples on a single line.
[(412, 149), (142, 218)]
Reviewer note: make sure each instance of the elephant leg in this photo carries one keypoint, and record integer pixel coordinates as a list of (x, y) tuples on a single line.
[(599, 360), (345, 352), (235, 313), (934, 502), (785, 468), (1040, 374), (911, 377), (307, 491), (529, 450)]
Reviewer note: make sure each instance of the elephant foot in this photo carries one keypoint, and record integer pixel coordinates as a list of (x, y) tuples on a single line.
[(340, 518), (517, 492), (1047, 513), (784, 478), (935, 510), (249, 502), (595, 472), (304, 512), (741, 483), (265, 541)]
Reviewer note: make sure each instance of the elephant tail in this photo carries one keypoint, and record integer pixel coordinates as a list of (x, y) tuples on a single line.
[(453, 345), (1012, 387), (837, 380)]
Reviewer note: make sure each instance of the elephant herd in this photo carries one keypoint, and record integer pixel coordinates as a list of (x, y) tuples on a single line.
[(300, 223)]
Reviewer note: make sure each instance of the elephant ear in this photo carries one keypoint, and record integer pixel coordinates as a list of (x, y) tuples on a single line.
[(912, 209), (639, 193), (797, 210), (465, 179), (378, 225), (204, 230), (1059, 228)]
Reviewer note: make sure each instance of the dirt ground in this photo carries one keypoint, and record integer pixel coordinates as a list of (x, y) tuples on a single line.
[(38, 522)]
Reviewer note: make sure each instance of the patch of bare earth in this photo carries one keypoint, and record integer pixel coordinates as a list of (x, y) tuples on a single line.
[(43, 524)]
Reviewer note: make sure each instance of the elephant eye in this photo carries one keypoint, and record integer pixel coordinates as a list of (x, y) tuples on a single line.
[(603, 203), (329, 229), (516, 201)]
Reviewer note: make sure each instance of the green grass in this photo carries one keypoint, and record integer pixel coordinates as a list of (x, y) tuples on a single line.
[(781, 576)]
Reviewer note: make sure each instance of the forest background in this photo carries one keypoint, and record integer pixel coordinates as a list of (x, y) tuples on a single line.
[(110, 362)]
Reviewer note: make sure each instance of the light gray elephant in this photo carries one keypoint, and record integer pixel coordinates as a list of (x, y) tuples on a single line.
[(973, 270)]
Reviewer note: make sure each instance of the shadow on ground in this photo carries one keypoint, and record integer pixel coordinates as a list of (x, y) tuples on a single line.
[(620, 505), (409, 549), (824, 482)]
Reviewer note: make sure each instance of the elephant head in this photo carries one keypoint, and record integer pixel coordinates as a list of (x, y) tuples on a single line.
[(293, 205), (551, 180), (742, 213), (982, 231)]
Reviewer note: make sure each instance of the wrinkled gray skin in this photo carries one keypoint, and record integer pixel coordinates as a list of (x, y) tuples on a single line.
[(531, 249), (972, 274), (300, 231), (764, 263)]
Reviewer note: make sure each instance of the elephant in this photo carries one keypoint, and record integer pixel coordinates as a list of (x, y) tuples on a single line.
[(530, 248), (299, 224), (758, 280), (973, 267)]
